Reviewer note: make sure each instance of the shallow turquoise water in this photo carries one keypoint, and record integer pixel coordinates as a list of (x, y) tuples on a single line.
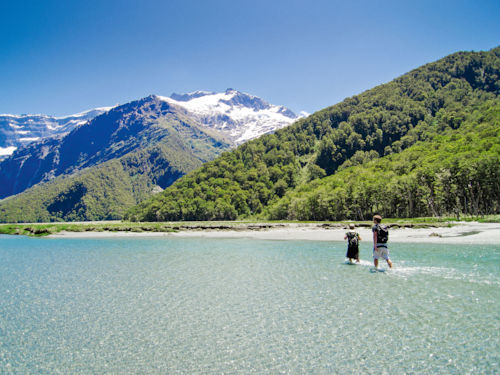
[(240, 306)]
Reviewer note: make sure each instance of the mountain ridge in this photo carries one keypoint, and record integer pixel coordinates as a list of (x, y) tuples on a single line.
[(227, 112), (136, 149), (145, 151), (418, 106), (112, 134), (83, 146), (19, 130)]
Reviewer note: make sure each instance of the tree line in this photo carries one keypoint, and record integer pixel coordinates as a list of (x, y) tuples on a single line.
[(289, 174)]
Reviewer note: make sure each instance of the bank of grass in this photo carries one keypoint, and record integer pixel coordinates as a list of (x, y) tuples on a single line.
[(40, 230), (45, 229)]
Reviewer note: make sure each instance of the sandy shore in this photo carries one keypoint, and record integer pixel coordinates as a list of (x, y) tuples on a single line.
[(461, 233)]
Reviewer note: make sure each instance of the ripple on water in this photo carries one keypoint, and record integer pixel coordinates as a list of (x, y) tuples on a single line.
[(244, 306)]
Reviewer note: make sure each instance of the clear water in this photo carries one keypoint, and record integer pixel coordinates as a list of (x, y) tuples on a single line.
[(240, 306)]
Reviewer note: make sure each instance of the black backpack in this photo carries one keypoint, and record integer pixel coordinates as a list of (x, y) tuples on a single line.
[(382, 233), (353, 239)]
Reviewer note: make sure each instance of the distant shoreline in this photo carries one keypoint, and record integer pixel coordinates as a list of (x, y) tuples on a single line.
[(445, 233)]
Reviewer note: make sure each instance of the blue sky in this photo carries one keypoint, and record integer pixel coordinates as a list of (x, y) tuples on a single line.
[(63, 57)]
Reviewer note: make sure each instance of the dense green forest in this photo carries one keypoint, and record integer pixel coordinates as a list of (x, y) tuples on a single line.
[(455, 172), (424, 144)]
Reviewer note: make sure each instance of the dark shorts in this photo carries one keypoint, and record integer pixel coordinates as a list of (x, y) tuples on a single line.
[(353, 252)]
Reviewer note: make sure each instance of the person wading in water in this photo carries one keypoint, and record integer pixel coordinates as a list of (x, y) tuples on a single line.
[(353, 239), (380, 238)]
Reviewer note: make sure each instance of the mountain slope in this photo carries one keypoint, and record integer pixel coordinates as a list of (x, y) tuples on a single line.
[(107, 165), (118, 159), (105, 191), (388, 119), (238, 115), (235, 115), (121, 130), (454, 172), (19, 130)]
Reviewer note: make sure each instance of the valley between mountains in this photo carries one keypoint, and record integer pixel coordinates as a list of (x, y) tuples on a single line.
[(425, 144), (96, 169)]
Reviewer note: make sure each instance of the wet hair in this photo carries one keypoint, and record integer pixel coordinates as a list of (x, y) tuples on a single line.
[(377, 218)]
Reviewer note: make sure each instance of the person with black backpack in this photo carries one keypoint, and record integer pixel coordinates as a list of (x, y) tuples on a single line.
[(353, 239), (380, 238)]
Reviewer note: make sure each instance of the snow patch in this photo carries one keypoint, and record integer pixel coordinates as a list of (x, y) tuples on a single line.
[(86, 113), (37, 127), (5, 151), (239, 115), (29, 139)]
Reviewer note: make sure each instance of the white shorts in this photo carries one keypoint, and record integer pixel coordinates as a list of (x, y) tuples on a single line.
[(381, 252)]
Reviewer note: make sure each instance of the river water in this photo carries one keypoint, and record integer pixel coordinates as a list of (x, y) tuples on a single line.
[(241, 306)]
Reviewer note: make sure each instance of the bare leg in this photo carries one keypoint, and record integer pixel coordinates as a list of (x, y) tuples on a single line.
[(389, 263), (375, 262)]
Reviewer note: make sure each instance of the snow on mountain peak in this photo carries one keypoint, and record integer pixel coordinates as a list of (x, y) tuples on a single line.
[(19, 130), (191, 95), (88, 114), (239, 115)]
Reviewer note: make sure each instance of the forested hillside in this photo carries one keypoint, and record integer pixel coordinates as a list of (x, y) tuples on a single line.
[(106, 191), (454, 172), (124, 129), (145, 150), (436, 107)]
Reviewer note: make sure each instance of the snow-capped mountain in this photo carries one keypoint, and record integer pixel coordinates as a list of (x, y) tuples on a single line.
[(149, 133), (238, 115), (19, 130), (122, 156), (39, 148)]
